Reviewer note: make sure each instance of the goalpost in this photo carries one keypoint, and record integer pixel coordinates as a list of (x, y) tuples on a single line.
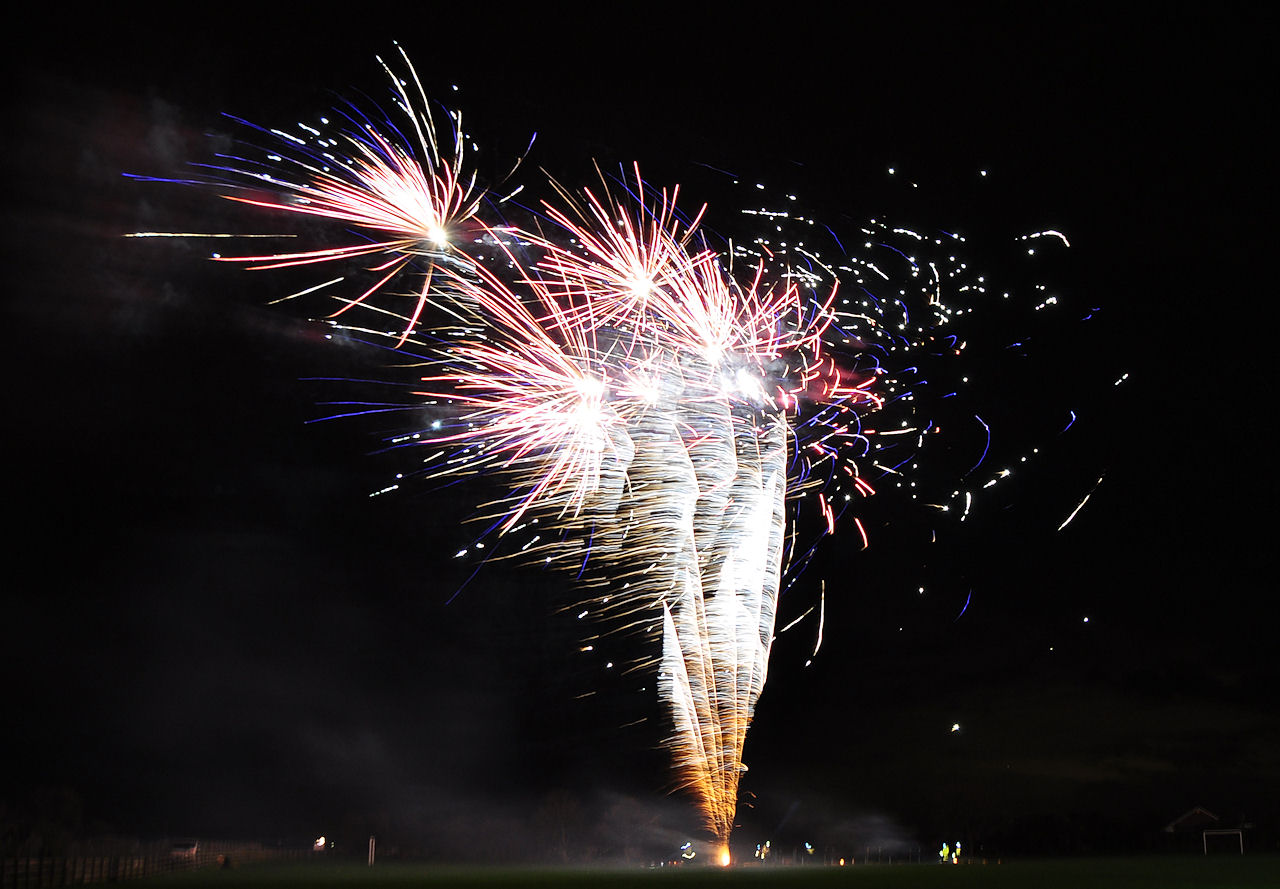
[(1205, 834)]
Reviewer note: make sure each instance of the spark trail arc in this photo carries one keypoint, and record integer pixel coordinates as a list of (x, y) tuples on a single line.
[(662, 398)]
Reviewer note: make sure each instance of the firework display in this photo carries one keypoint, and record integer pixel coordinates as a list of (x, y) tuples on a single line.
[(661, 400)]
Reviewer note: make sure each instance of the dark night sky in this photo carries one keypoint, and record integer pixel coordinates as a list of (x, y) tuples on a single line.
[(210, 628)]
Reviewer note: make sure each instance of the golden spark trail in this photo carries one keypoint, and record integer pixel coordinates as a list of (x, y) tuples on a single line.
[(658, 399)]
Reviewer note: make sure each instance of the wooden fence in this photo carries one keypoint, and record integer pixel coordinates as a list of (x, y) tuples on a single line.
[(83, 870)]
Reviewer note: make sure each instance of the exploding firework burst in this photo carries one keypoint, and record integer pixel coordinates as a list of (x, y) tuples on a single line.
[(667, 399)]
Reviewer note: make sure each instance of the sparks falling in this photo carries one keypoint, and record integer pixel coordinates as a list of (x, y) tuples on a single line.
[(665, 399)]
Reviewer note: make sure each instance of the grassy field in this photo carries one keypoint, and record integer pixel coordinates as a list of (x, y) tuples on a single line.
[(1173, 872)]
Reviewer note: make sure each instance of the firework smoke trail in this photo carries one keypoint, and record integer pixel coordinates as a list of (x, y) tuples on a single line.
[(627, 386), (658, 399), (718, 622)]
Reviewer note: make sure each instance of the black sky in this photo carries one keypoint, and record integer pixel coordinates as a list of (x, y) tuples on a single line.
[(210, 628)]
